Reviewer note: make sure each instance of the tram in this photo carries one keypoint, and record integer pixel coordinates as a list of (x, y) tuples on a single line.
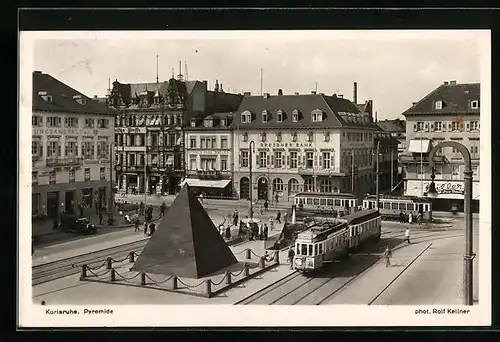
[(324, 204), (392, 206), (330, 241)]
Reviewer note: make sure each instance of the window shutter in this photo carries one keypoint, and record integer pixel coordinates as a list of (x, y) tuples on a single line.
[(283, 158), (414, 127), (66, 121), (320, 161), (58, 149), (332, 161), (267, 159), (288, 160), (432, 127)]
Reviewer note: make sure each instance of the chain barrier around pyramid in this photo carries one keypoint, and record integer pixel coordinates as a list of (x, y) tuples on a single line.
[(187, 243)]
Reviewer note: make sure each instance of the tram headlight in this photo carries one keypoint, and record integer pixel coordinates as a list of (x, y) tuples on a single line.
[(298, 262)]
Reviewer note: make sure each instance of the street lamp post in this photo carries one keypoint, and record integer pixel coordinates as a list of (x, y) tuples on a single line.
[(250, 164), (377, 173), (469, 254)]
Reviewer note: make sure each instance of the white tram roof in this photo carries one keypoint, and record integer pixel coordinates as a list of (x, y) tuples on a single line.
[(325, 194), (397, 198), (319, 232)]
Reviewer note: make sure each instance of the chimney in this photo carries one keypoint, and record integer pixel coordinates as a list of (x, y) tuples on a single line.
[(355, 97), (266, 95), (413, 103), (445, 82), (296, 93), (216, 87), (247, 93), (280, 92), (205, 83), (221, 90), (313, 92), (453, 82), (376, 116), (95, 97), (334, 95), (341, 96)]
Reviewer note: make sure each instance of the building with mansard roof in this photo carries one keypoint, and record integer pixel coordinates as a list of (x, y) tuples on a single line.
[(310, 142), (149, 129), (70, 149), (449, 112)]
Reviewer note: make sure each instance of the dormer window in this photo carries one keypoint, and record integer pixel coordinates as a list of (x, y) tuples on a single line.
[(45, 96), (474, 104), (80, 99), (208, 123), (279, 116), (310, 136), (246, 117), (263, 137), (295, 116), (327, 136), (193, 122), (265, 116), (438, 105), (316, 115), (294, 136), (278, 137)]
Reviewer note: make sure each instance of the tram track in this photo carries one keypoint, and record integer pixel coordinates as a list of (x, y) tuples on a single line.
[(69, 266), (297, 289)]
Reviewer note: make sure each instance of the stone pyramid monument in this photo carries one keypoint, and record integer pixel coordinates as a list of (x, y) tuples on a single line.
[(186, 244)]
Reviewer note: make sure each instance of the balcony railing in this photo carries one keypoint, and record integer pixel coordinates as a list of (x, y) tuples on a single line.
[(323, 172), (64, 161), (208, 174)]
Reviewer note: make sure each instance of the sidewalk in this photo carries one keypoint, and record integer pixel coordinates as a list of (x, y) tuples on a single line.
[(376, 278)]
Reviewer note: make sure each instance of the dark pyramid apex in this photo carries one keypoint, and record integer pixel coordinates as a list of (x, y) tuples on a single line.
[(186, 244)]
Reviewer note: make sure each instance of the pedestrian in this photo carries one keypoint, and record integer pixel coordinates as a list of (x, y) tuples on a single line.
[(266, 232), (407, 235), (145, 228), (278, 217), (152, 228), (228, 233), (266, 205), (163, 206), (410, 218), (276, 197), (419, 219), (285, 215), (141, 208), (100, 218), (201, 197), (235, 217), (261, 232), (136, 223), (291, 254), (387, 256), (401, 217)]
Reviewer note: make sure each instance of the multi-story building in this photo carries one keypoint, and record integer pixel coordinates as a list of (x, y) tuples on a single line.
[(209, 154), (397, 129), (450, 112), (310, 142), (149, 130), (389, 178), (71, 136)]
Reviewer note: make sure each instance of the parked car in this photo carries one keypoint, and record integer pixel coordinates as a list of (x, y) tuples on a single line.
[(77, 224)]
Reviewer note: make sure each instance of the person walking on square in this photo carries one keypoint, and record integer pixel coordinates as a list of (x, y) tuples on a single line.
[(163, 206), (136, 223), (291, 254), (410, 218), (285, 215), (228, 233), (141, 208), (387, 256), (401, 217), (100, 218), (266, 232), (145, 228), (152, 228), (261, 232), (278, 217), (407, 235)]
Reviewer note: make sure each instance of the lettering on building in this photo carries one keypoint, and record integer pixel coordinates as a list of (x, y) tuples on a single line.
[(448, 188), (286, 145), (66, 131)]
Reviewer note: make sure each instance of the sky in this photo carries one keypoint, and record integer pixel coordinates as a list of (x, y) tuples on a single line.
[(392, 68)]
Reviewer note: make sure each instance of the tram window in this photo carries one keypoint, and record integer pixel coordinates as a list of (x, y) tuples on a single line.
[(309, 200), (316, 201), (321, 248), (315, 249), (297, 248), (303, 250), (329, 201), (394, 206), (310, 250), (322, 201), (337, 202)]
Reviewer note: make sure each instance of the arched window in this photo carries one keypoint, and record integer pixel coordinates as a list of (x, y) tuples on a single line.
[(326, 185), (309, 184), (293, 186), (278, 184)]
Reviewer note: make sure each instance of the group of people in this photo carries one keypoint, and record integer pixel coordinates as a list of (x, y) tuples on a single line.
[(411, 216), (257, 232)]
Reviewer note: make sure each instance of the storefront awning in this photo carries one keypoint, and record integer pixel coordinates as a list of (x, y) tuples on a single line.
[(419, 146), (206, 183)]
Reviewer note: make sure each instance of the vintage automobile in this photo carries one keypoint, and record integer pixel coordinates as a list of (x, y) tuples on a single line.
[(77, 224)]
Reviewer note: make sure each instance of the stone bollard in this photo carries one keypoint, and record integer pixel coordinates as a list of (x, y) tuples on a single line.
[(143, 278), (208, 287), (246, 270), (113, 275), (228, 278), (109, 263), (84, 272), (262, 262), (131, 257), (174, 282), (249, 253), (277, 256)]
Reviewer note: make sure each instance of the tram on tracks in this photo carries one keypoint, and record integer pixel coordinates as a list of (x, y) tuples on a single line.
[(324, 204), (391, 207), (321, 244)]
